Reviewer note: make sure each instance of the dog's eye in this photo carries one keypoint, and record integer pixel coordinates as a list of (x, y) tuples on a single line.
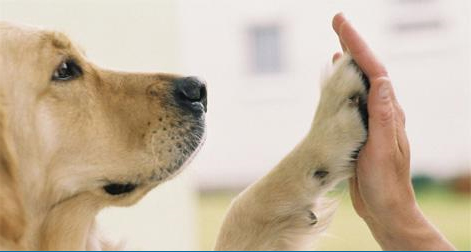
[(68, 70)]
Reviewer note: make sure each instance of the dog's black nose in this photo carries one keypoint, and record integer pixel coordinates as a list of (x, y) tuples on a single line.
[(190, 93)]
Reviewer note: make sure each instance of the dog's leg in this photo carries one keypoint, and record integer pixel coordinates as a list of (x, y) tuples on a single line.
[(284, 210)]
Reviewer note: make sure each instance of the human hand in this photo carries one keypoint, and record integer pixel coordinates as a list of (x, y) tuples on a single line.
[(382, 183), (382, 192)]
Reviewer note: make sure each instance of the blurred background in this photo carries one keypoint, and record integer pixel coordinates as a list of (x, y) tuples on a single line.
[(263, 61)]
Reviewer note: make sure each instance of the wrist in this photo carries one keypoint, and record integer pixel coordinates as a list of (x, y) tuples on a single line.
[(409, 230), (393, 227)]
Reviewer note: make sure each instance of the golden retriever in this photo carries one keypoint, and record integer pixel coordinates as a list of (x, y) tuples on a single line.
[(75, 138)]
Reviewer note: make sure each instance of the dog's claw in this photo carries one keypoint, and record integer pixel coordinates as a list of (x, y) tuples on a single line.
[(313, 218)]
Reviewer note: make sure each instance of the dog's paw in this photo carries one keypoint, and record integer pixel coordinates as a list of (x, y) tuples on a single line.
[(340, 126)]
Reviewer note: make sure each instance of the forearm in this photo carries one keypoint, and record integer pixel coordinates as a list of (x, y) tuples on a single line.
[(409, 231)]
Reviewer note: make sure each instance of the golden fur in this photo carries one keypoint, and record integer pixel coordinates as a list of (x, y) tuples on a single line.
[(62, 142), (285, 209)]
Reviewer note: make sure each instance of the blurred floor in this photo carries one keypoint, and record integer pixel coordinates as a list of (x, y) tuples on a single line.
[(450, 212)]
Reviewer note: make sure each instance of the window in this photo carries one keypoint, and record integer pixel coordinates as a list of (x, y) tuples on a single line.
[(265, 49), (420, 26)]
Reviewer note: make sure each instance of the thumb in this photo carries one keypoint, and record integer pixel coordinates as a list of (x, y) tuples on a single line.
[(381, 124)]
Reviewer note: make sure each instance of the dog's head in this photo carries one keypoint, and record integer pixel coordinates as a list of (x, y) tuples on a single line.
[(74, 129)]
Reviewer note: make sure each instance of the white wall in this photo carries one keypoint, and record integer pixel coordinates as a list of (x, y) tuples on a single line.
[(431, 73), (138, 35), (253, 121)]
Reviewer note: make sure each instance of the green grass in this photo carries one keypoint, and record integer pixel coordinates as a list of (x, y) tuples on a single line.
[(450, 212)]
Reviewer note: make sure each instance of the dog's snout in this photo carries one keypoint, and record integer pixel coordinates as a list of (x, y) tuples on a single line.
[(190, 93), (191, 89)]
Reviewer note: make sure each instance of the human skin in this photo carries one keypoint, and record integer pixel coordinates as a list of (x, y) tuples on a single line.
[(382, 192)]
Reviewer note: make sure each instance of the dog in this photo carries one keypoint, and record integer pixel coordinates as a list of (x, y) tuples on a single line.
[(75, 138)]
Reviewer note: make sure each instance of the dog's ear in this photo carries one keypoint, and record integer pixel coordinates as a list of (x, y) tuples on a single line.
[(12, 220)]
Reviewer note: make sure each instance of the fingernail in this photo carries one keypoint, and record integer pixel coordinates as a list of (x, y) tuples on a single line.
[(344, 17), (384, 91)]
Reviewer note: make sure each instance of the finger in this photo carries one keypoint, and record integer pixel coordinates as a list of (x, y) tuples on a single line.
[(336, 56), (344, 48), (400, 117), (353, 190), (355, 196), (400, 112), (381, 123), (403, 142), (336, 22), (358, 48)]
